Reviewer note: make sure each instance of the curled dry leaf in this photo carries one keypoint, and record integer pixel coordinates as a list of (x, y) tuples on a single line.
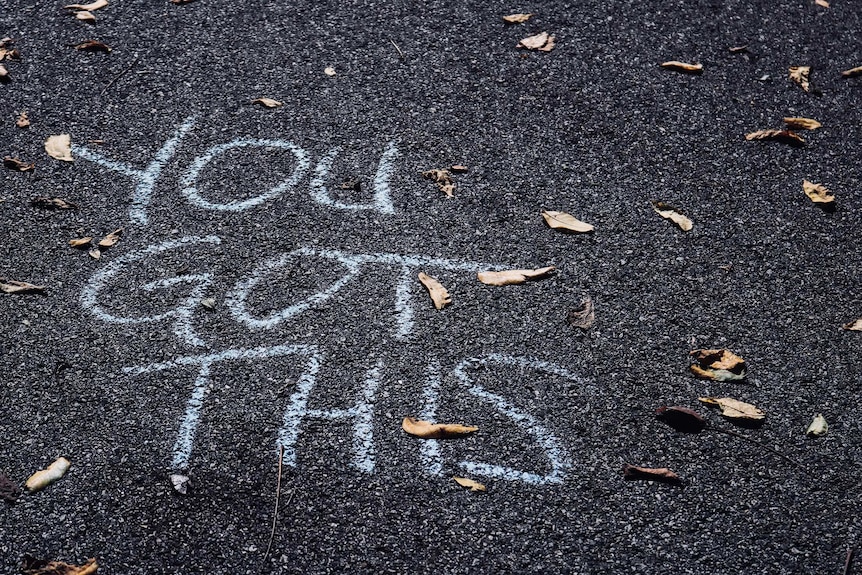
[(783, 136), (59, 147), (564, 221), (85, 16), (717, 365), (111, 239), (443, 179), (17, 165), (678, 66), (734, 409), (512, 277), (818, 427), (329, 71), (52, 204), (23, 120), (802, 124), (95, 253), (45, 477), (661, 474), (80, 242), (822, 3), (13, 286), (32, 566), (671, 213), (267, 102), (9, 491), (852, 72), (517, 18), (583, 316), (469, 483), (87, 7), (439, 295), (738, 49), (180, 483), (681, 418), (428, 430), (817, 193), (92, 46), (853, 325), (543, 42), (802, 76)]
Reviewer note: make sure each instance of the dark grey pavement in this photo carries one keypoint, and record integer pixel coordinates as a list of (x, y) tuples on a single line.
[(321, 338)]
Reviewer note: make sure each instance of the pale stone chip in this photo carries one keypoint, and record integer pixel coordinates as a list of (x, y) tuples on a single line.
[(818, 427), (59, 147)]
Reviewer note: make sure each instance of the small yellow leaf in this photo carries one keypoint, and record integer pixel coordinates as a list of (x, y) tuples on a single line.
[(439, 295), (473, 485), (784, 136), (87, 7), (517, 18), (564, 221), (853, 325), (542, 42), (802, 124), (111, 239), (46, 477), (817, 193), (671, 213), (59, 147), (734, 409), (802, 76), (32, 566), (682, 67), (80, 242), (818, 427), (428, 430), (329, 71), (852, 72), (512, 277), (267, 102)]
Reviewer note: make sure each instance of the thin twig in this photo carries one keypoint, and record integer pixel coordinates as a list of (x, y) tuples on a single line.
[(121, 74), (757, 443), (400, 53), (848, 563), (277, 495)]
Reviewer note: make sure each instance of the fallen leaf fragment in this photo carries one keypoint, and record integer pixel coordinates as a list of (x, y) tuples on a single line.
[(95, 253), (817, 193), (52, 204), (208, 303), (734, 409), (111, 239), (92, 46), (45, 477), (473, 485), (439, 295), (80, 242), (513, 277), (681, 418), (802, 76), (717, 365), (13, 286), (443, 179), (17, 165), (329, 71), (182, 1), (59, 147), (822, 3), (853, 325), (852, 72), (583, 316), (543, 42), (9, 491), (32, 566), (818, 427), (802, 124), (4, 73), (85, 16), (564, 221), (660, 474), (678, 66), (738, 49), (87, 7), (671, 213), (267, 102), (428, 430), (517, 18), (7, 52), (783, 136), (23, 120), (458, 169), (180, 483)]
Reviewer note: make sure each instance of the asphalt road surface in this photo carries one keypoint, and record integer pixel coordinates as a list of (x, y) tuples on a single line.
[(303, 228)]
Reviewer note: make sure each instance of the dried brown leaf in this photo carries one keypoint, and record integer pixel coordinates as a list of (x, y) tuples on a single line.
[(80, 242), (439, 295), (582, 316), (734, 409), (517, 18), (817, 193), (565, 221), (852, 72), (681, 418), (469, 483), (542, 42), (17, 165), (443, 179), (738, 49), (52, 203), (85, 16), (23, 120), (802, 123), (111, 239), (802, 76), (783, 136), (182, 1), (458, 169), (428, 430), (267, 102), (13, 286), (9, 491), (661, 474), (87, 7), (671, 213), (853, 325), (717, 365), (512, 277), (32, 566), (329, 71), (45, 477), (822, 3), (95, 253), (4, 73), (678, 66), (92, 46), (59, 147)]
